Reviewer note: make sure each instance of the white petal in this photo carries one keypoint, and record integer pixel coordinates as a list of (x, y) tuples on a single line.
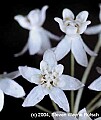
[(58, 96), (83, 115), (96, 85), (50, 58), (79, 52), (34, 42), (25, 48), (91, 53), (63, 48), (34, 97), (23, 21), (70, 30), (98, 70), (28, 73), (100, 12), (82, 16), (1, 100), (59, 69), (69, 83), (60, 21), (11, 75), (98, 118), (93, 30), (67, 14), (12, 88), (43, 14)]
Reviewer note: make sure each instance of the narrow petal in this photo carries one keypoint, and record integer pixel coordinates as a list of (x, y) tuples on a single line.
[(58, 96), (60, 21), (23, 21), (100, 12), (69, 83), (1, 100), (28, 73), (91, 53), (83, 115), (34, 97), (11, 75), (93, 30), (63, 48), (67, 14), (96, 85), (59, 69), (34, 42), (11, 88), (43, 14), (22, 51), (79, 52), (50, 58), (82, 16)]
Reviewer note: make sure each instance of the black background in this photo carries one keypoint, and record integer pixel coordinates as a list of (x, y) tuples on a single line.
[(13, 37)]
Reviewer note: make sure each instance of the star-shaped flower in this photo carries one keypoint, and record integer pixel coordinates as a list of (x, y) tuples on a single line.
[(96, 29), (39, 38), (82, 115), (10, 87), (50, 80), (73, 27)]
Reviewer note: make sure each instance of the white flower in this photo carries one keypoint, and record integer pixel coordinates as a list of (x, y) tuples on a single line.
[(38, 40), (96, 29), (82, 115), (9, 87), (50, 80), (72, 40)]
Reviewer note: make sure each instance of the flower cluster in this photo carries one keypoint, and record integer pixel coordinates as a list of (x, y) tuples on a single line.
[(50, 79)]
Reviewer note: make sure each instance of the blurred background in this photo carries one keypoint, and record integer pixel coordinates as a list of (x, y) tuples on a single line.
[(13, 38)]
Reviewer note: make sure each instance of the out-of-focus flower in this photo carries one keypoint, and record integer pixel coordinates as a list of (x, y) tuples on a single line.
[(73, 27), (10, 87), (82, 115), (96, 29), (50, 80), (39, 38)]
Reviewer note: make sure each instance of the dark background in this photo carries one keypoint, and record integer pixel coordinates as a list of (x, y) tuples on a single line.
[(13, 37)]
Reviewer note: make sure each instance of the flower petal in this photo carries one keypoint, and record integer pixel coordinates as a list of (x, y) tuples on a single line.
[(96, 85), (11, 75), (50, 58), (59, 69), (100, 12), (98, 118), (34, 97), (83, 115), (58, 96), (28, 73), (25, 48), (11, 88), (1, 100), (96, 29), (34, 42), (63, 48), (23, 21), (82, 16), (79, 52), (60, 21), (98, 70), (67, 14), (69, 83), (91, 53)]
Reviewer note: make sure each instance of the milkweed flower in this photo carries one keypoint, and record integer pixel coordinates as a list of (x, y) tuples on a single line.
[(50, 81), (39, 38), (96, 29), (73, 28), (82, 115), (9, 87)]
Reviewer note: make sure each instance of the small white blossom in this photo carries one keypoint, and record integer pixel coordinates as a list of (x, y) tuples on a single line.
[(82, 115), (38, 40), (50, 80), (72, 40), (96, 29), (9, 87)]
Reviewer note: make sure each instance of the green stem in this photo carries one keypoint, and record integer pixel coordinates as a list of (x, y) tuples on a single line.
[(85, 76), (93, 100), (72, 74), (55, 106)]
